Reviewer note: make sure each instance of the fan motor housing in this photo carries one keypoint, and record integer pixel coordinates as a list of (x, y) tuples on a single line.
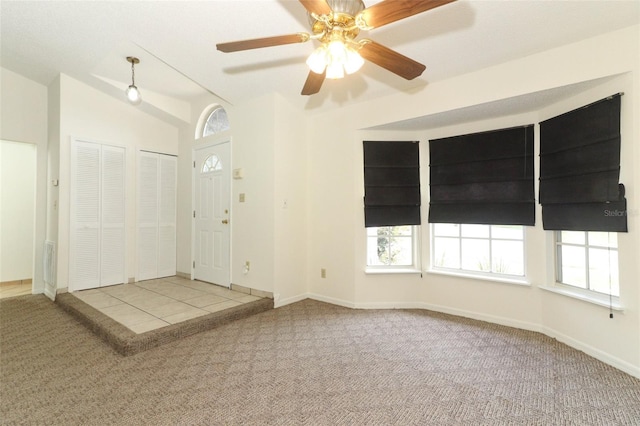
[(342, 18)]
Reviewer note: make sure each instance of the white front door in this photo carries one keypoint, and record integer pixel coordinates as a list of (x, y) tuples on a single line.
[(212, 181)]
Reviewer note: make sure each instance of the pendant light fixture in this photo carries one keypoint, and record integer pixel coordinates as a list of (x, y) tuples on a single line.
[(133, 94)]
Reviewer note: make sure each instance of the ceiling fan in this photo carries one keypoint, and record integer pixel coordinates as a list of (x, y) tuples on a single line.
[(336, 24)]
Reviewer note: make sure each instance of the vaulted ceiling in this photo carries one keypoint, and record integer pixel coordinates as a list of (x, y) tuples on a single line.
[(175, 41)]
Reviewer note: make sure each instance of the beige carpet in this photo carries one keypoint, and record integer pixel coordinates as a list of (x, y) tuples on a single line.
[(308, 363)]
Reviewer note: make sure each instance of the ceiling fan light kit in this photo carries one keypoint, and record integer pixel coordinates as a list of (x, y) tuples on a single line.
[(132, 92), (336, 24), (336, 58)]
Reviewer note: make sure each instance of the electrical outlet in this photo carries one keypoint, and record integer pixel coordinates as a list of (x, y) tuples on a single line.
[(323, 273), (247, 267), (241, 197)]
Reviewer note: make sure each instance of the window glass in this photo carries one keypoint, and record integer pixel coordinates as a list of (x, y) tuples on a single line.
[(600, 271), (475, 254), (588, 260), (511, 232), (211, 163), (446, 229), (603, 239), (573, 267), (574, 237), (507, 257), (446, 252), (474, 231), (484, 249), (216, 122), (391, 246)]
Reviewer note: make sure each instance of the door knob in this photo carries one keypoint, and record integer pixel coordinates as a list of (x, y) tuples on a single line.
[(225, 221)]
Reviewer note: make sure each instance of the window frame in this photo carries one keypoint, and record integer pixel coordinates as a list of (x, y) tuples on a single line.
[(414, 267), (210, 113), (484, 275), (586, 291), (216, 164)]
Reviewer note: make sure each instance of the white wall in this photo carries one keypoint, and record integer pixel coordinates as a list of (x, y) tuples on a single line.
[(252, 222), (253, 130), (336, 230), (23, 118), (17, 210), (335, 204), (290, 204), (264, 232), (94, 116)]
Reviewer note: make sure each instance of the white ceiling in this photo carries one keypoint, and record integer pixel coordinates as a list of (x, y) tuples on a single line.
[(175, 41)]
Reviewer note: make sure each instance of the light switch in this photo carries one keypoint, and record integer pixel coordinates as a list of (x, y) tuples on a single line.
[(241, 197)]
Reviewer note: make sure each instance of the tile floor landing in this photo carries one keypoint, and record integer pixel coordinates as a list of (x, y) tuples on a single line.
[(153, 304)]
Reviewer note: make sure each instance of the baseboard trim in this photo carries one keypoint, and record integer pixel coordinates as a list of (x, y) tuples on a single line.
[(278, 303), (184, 275), (50, 291), (332, 300), (494, 319), (390, 305), (16, 282), (594, 352)]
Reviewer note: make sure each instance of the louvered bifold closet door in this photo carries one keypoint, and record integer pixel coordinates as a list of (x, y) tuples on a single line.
[(84, 250), (157, 186), (113, 240), (167, 216), (97, 216), (148, 165)]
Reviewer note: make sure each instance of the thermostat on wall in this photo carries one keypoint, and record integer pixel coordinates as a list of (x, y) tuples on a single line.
[(238, 173)]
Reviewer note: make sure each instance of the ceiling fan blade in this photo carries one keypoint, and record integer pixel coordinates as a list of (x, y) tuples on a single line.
[(389, 11), (235, 46), (313, 83), (319, 7), (390, 60)]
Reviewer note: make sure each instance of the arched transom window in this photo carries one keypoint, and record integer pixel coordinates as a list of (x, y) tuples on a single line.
[(211, 164), (217, 122)]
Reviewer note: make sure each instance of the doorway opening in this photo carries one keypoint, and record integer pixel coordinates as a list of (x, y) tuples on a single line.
[(17, 217)]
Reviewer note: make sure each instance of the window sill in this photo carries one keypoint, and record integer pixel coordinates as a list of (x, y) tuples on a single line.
[(500, 280), (595, 299), (379, 271)]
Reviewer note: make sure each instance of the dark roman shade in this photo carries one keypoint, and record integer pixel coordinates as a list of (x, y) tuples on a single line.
[(483, 178), (580, 169), (391, 183)]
